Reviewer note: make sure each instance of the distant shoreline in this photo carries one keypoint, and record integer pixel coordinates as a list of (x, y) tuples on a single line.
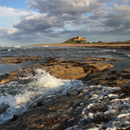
[(116, 46)]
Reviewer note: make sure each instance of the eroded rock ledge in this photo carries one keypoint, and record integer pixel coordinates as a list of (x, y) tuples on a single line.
[(74, 110), (17, 60), (92, 71), (63, 69)]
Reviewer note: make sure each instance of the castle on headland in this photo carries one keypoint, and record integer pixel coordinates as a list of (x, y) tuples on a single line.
[(78, 39)]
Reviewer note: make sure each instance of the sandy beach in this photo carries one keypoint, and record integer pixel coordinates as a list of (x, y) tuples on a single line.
[(116, 46)]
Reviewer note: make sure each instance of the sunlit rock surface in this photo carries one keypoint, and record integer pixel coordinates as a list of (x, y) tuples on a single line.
[(101, 102)]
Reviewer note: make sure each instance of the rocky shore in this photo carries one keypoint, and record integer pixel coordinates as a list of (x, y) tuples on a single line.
[(64, 69), (17, 60), (88, 107)]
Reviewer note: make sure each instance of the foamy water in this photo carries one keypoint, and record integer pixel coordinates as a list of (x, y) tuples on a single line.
[(103, 110), (19, 96), (66, 51), (16, 97)]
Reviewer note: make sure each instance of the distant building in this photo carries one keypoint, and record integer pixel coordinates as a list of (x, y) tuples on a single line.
[(127, 41), (78, 38)]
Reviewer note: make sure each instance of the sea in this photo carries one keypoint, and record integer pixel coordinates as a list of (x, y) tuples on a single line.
[(16, 97)]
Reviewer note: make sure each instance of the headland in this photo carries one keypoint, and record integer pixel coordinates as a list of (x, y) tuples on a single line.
[(82, 42)]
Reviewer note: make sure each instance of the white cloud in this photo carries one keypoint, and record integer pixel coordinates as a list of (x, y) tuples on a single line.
[(39, 23), (80, 3), (124, 1), (122, 8), (12, 30), (59, 7), (9, 15), (60, 19)]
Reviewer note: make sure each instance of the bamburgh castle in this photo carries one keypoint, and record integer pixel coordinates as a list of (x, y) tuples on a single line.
[(78, 38)]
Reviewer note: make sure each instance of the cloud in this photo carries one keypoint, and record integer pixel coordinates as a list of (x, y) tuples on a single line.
[(119, 19), (58, 19), (59, 7), (104, 1), (38, 23), (8, 11), (9, 15), (124, 1), (57, 13), (98, 15), (122, 8)]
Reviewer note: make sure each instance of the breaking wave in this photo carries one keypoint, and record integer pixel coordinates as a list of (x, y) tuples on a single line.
[(18, 96)]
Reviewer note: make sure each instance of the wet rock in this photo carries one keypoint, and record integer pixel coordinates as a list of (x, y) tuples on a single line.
[(60, 71), (17, 60), (80, 108), (3, 107), (108, 78), (98, 66), (72, 69), (21, 53), (64, 69), (14, 118), (10, 78), (100, 59), (127, 76)]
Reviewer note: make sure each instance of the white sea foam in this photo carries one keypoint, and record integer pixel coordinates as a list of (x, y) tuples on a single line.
[(43, 85), (17, 46), (16, 97), (117, 110), (28, 47), (107, 50), (128, 55), (8, 49)]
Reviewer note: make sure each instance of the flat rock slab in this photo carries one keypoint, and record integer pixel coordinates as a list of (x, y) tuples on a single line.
[(82, 108), (17, 60), (64, 69)]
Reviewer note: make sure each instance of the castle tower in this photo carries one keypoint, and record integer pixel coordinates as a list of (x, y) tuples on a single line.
[(78, 37)]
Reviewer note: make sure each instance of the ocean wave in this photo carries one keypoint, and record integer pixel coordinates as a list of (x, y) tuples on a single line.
[(17, 46), (16, 98)]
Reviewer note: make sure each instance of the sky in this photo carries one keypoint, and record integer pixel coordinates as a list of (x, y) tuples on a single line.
[(27, 22)]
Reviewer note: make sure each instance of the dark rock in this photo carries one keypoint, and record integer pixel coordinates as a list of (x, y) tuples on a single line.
[(14, 118)]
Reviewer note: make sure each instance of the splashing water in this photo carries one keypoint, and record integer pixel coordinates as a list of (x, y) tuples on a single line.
[(16, 97)]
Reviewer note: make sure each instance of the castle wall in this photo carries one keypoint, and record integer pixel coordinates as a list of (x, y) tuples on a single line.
[(78, 38), (84, 39)]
